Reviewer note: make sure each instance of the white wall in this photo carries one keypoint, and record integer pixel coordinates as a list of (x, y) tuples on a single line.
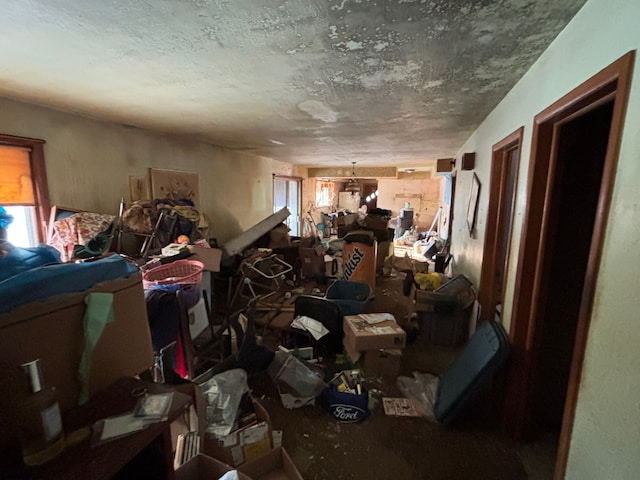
[(606, 437), (89, 162)]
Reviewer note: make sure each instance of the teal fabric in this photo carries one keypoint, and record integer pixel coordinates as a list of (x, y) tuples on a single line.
[(99, 313)]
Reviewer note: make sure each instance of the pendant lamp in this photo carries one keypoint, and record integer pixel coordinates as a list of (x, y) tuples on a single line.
[(352, 185)]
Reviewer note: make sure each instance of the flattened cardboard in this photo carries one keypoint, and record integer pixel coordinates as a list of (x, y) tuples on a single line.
[(383, 335), (275, 465), (245, 239), (402, 407), (53, 331), (202, 467), (210, 257)]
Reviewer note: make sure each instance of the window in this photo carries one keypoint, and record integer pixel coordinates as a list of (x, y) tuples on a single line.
[(324, 194), (23, 189)]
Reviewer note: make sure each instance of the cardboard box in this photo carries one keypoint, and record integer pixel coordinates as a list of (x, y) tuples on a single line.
[(363, 336), (53, 331), (275, 465), (202, 467), (376, 363), (210, 257), (241, 446), (279, 237), (312, 262)]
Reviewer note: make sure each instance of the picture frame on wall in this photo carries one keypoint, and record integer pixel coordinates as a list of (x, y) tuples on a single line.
[(138, 188), (472, 206), (175, 185)]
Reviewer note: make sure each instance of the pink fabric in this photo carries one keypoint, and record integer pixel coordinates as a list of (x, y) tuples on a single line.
[(181, 366)]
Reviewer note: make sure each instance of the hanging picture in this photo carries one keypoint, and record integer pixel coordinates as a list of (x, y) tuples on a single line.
[(138, 188), (472, 206), (175, 185)]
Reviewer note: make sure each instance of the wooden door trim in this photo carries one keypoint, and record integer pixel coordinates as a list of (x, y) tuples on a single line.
[(39, 178), (494, 223), (624, 68), (614, 78)]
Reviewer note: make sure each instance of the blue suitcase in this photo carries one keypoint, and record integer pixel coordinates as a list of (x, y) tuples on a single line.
[(484, 354)]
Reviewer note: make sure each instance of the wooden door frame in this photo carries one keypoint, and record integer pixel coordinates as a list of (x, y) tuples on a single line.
[(38, 178), (524, 331), (273, 191), (498, 183)]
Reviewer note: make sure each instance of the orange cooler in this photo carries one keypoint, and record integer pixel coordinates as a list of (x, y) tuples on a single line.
[(359, 257)]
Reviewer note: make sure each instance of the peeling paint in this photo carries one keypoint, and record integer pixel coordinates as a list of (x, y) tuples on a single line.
[(378, 47), (338, 68), (352, 45), (339, 7), (319, 111)]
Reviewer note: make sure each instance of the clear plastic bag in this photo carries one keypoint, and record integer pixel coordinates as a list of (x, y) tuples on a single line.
[(223, 393), (422, 387), (295, 376)]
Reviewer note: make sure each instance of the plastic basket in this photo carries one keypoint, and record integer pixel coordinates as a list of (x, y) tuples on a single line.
[(178, 272)]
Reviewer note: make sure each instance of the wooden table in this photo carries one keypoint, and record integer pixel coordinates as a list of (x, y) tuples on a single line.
[(145, 454)]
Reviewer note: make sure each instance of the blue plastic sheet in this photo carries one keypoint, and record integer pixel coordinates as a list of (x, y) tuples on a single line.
[(17, 260), (46, 281)]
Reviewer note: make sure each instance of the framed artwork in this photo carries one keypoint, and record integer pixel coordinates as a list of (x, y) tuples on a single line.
[(472, 206), (139, 188), (175, 185)]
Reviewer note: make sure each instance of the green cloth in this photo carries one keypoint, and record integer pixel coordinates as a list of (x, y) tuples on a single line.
[(98, 314)]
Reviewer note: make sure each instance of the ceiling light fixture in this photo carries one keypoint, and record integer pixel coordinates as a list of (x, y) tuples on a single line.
[(352, 185)]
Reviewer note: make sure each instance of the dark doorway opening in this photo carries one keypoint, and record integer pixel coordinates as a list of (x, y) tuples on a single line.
[(575, 145), (502, 189), (582, 145)]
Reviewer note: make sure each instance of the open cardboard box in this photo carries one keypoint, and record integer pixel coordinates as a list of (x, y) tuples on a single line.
[(241, 446), (202, 467), (53, 331), (274, 465), (375, 363)]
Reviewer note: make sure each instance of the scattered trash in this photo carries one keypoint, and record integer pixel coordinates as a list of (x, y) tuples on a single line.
[(402, 407)]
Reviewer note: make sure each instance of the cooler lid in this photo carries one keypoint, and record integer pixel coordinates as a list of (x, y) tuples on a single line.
[(360, 236)]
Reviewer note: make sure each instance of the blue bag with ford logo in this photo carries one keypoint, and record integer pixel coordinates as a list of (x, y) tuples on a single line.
[(346, 407)]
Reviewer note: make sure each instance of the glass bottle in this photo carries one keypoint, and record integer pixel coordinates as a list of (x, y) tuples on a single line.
[(40, 423)]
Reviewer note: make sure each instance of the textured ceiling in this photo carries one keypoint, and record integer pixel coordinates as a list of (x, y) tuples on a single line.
[(313, 82)]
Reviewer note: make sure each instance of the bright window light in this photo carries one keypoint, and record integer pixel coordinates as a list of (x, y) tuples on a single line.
[(21, 231)]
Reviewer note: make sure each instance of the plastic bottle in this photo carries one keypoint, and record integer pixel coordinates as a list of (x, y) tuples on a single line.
[(39, 420)]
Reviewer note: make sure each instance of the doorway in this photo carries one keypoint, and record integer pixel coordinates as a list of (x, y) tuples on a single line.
[(502, 189), (369, 195), (574, 154), (286, 193)]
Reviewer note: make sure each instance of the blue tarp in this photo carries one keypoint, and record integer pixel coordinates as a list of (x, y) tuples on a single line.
[(46, 281), (17, 260)]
